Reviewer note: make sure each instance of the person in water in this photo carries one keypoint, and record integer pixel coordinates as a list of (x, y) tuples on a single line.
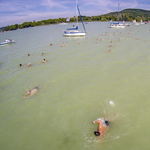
[(29, 64), (44, 61), (30, 93), (102, 127)]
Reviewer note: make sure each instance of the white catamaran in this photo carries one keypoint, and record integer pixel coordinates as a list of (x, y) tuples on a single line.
[(73, 32)]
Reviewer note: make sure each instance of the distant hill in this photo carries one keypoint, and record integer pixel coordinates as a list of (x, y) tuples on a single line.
[(132, 14), (1, 28)]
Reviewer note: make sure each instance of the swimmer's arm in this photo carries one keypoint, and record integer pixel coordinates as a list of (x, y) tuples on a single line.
[(27, 95), (97, 122), (100, 126)]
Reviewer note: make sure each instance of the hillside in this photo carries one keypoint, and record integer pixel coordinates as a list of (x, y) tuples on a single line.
[(1, 29), (130, 14)]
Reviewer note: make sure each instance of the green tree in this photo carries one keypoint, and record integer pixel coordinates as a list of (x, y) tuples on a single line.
[(138, 19)]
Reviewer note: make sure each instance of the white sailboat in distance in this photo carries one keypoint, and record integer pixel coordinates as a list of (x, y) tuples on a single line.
[(117, 24), (74, 32)]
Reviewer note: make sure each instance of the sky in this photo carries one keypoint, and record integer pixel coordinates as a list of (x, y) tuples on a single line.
[(19, 11)]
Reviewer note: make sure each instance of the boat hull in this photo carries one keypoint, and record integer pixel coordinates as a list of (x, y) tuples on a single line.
[(117, 26), (136, 24), (6, 43), (74, 34)]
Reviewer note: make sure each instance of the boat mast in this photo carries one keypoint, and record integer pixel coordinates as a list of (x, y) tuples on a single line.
[(118, 11), (81, 18), (76, 14)]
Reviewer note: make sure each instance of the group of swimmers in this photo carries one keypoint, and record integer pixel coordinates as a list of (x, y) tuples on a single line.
[(102, 123), (30, 93), (29, 64)]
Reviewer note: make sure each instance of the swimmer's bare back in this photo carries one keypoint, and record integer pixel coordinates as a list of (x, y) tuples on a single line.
[(31, 92)]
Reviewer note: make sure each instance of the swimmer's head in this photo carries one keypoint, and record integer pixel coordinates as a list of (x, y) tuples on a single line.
[(29, 92), (96, 133)]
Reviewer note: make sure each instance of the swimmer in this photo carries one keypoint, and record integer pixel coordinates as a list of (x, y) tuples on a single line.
[(29, 93), (44, 61), (28, 54), (29, 64), (42, 54), (50, 44), (137, 38), (20, 65), (102, 127)]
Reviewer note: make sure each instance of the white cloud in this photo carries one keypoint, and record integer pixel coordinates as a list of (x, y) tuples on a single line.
[(52, 4)]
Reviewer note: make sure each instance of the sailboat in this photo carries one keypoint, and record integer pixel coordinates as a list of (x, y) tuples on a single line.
[(117, 24), (74, 32)]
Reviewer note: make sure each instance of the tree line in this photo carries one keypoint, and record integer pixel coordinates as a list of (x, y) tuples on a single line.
[(125, 15)]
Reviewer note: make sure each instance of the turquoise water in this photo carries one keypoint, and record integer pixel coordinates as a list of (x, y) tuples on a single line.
[(77, 84)]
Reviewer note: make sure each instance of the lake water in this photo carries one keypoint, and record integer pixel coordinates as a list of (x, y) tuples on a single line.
[(81, 82)]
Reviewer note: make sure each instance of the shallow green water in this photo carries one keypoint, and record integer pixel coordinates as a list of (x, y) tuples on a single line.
[(76, 86)]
